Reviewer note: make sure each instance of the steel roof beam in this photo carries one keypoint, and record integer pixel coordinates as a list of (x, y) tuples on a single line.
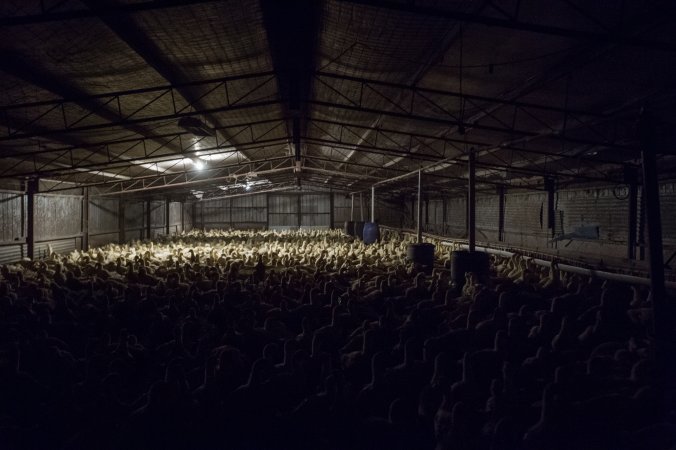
[(452, 122), (121, 162), (142, 120), (99, 10), (619, 38), (15, 66), (464, 142), (130, 92), (292, 29), (455, 94), (138, 41), (103, 144), (204, 175)]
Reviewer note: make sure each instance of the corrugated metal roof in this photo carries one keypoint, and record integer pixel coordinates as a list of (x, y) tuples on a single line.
[(91, 92)]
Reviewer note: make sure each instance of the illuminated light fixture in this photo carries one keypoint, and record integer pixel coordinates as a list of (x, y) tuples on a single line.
[(199, 165), (195, 126), (247, 185)]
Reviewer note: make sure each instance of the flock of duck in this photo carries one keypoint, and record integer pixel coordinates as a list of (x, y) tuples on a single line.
[(311, 339)]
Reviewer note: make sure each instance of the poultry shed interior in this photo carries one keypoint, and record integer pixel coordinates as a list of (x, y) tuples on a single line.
[(337, 224)]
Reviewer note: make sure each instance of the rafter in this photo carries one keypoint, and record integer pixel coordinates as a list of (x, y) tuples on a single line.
[(449, 122), (68, 165), (151, 53), (458, 144), (99, 10), (14, 65), (619, 38), (186, 177)]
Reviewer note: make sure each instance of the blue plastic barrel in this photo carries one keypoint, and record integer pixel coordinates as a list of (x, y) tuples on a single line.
[(371, 233), (349, 228)]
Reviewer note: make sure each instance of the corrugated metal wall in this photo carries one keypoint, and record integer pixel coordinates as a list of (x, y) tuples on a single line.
[(239, 212), (158, 213), (175, 217), (58, 222), (12, 230), (526, 221), (214, 214), (668, 197), (103, 221), (487, 217), (188, 219), (11, 204), (249, 212), (389, 214), (341, 209), (454, 222), (59, 218), (134, 220), (434, 219), (315, 210), (386, 213), (283, 212)]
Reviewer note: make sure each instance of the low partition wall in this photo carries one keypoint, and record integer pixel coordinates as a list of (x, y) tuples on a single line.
[(636, 274)]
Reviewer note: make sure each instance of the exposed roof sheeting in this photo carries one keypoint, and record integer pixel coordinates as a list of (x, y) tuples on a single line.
[(360, 90)]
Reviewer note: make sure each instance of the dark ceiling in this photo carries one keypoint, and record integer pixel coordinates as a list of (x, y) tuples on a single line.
[(330, 94)]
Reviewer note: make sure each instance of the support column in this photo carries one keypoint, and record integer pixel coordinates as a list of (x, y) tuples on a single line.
[(182, 217), (167, 216), (444, 214), (85, 219), (352, 209), (361, 207), (373, 204), (641, 228), (501, 213), (631, 178), (267, 211), (550, 187), (663, 319), (419, 229), (149, 228), (120, 221), (232, 222), (193, 209), (413, 211), (300, 212), (332, 217), (471, 201), (31, 189)]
